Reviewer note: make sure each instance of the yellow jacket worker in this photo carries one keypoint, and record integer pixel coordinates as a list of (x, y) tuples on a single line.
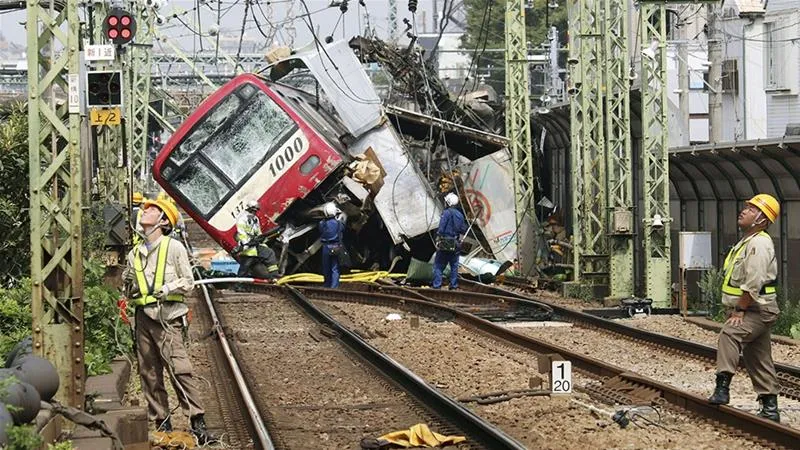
[(158, 276), (748, 289)]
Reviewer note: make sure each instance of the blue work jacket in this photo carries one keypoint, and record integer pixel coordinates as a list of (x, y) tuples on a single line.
[(452, 224), (330, 231)]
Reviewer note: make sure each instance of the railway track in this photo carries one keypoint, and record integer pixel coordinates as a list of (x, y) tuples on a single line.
[(616, 384), (302, 380), (487, 295)]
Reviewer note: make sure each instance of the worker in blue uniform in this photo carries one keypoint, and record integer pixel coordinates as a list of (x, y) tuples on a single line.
[(330, 234), (452, 226)]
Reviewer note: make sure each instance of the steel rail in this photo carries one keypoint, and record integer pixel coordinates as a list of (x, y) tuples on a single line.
[(740, 421), (256, 421), (482, 431), (663, 340)]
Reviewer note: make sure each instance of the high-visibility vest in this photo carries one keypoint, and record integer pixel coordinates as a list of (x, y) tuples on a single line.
[(248, 228), (146, 289), (727, 287)]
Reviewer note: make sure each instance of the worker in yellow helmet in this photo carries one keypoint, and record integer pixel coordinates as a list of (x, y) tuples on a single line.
[(749, 291), (180, 227), (157, 277)]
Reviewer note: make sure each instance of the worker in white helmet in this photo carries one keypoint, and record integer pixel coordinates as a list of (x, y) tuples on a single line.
[(330, 234), (452, 227)]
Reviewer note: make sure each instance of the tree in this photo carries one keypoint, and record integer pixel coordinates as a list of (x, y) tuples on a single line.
[(486, 30), (15, 255)]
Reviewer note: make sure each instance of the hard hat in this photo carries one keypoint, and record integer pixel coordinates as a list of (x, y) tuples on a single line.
[(451, 199), (330, 209), (137, 198), (166, 207), (252, 206), (767, 204), (162, 196)]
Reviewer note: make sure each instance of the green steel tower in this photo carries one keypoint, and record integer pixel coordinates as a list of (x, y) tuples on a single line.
[(588, 147), (518, 111), (54, 147), (618, 149), (138, 84)]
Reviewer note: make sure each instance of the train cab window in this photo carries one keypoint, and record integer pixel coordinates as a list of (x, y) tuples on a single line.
[(225, 146), (249, 137), (205, 128), (201, 186)]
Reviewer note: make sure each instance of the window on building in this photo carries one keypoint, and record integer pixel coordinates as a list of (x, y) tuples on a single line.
[(781, 53), (772, 51)]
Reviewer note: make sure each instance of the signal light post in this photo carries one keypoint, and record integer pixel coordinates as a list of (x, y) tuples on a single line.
[(119, 26)]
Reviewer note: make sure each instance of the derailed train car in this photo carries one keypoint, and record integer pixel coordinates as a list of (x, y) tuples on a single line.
[(296, 142)]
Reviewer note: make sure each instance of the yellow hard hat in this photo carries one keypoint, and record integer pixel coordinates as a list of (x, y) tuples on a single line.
[(166, 207), (767, 204), (162, 196), (137, 197)]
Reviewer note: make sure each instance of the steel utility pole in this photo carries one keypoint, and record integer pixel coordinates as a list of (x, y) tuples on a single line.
[(618, 148), (714, 75), (138, 85), (393, 20), (656, 219), (518, 113), (54, 148), (588, 147)]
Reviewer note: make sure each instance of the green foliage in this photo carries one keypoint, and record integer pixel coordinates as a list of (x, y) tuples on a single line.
[(710, 294), (14, 194), (788, 323), (105, 334), (486, 28), (23, 437), (65, 445), (15, 315)]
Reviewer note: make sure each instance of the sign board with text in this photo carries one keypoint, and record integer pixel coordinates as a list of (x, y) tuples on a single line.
[(105, 116)]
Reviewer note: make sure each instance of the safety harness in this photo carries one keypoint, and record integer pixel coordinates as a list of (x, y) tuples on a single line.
[(146, 289), (733, 255)]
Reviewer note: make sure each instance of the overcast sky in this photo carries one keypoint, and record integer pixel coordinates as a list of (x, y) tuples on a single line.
[(327, 20)]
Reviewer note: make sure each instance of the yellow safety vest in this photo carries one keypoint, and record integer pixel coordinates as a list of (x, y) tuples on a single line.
[(146, 289), (727, 287), (247, 229)]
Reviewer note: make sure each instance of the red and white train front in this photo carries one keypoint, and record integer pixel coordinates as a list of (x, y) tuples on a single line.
[(244, 141)]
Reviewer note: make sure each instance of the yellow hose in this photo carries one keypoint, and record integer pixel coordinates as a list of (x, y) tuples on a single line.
[(356, 277)]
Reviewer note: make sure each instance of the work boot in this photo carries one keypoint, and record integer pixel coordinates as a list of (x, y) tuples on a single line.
[(722, 391), (164, 425), (199, 430), (769, 407)]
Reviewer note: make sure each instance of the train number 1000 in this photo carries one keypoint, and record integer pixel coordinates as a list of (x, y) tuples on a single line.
[(284, 157)]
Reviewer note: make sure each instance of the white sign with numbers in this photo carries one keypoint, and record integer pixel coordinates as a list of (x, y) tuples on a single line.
[(561, 377)]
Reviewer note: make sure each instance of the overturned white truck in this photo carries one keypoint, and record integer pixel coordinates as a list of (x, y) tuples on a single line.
[(315, 130)]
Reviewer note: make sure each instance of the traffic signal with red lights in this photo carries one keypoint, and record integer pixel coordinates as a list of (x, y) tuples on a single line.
[(119, 26)]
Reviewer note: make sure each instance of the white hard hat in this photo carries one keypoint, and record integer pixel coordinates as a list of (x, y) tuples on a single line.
[(252, 205), (451, 199), (330, 209)]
